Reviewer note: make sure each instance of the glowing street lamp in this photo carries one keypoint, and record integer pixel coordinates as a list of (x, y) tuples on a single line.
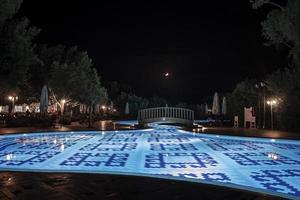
[(167, 75), (272, 103)]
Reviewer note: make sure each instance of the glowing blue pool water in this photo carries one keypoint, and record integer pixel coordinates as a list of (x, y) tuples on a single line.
[(263, 165)]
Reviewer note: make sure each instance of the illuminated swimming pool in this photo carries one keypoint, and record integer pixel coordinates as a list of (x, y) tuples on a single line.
[(263, 165)]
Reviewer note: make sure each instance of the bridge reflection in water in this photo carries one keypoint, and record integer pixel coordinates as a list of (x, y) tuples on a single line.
[(166, 114)]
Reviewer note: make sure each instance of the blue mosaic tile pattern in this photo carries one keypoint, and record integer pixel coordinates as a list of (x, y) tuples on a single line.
[(278, 180), (106, 146), (179, 160), (265, 164), (248, 159), (96, 159), (220, 177), (173, 147)]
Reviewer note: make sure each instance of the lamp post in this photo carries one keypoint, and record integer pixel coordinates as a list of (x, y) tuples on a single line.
[(272, 103), (63, 101), (104, 109), (259, 125), (264, 100), (262, 85), (13, 99)]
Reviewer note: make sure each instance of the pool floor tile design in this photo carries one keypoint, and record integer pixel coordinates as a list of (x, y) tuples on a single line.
[(96, 159), (264, 164)]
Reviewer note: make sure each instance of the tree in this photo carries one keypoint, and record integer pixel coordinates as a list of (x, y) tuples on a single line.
[(17, 49), (8, 8), (285, 86), (74, 78), (41, 72), (136, 103), (244, 95), (282, 26), (156, 101), (114, 90), (224, 106), (90, 92), (182, 105), (65, 72)]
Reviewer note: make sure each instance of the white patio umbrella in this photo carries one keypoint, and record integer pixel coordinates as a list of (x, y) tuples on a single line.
[(216, 105), (127, 109), (44, 100), (224, 106), (206, 109)]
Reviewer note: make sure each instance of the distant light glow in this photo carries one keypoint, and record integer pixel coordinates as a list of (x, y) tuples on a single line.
[(12, 98), (9, 156), (272, 102), (273, 156)]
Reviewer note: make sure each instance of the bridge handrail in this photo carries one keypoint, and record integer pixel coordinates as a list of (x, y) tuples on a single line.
[(166, 112)]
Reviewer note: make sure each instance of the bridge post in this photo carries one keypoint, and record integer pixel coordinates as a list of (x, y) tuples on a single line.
[(167, 112)]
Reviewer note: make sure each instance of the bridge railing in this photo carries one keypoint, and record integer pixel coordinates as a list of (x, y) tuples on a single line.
[(166, 113)]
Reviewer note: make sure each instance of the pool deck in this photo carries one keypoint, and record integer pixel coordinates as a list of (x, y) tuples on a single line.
[(12, 130), (112, 187), (276, 134), (105, 125), (215, 130)]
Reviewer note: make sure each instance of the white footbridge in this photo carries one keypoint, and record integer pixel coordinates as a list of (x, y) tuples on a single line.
[(167, 115)]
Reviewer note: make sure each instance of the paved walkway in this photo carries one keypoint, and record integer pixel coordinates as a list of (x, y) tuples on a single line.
[(101, 125), (252, 132), (95, 186)]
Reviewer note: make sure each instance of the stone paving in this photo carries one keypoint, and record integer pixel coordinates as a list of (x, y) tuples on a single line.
[(23, 186)]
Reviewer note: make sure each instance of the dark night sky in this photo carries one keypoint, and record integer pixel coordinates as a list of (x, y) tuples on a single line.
[(207, 46)]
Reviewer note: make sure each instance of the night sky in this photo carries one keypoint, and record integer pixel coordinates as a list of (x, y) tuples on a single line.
[(206, 46)]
